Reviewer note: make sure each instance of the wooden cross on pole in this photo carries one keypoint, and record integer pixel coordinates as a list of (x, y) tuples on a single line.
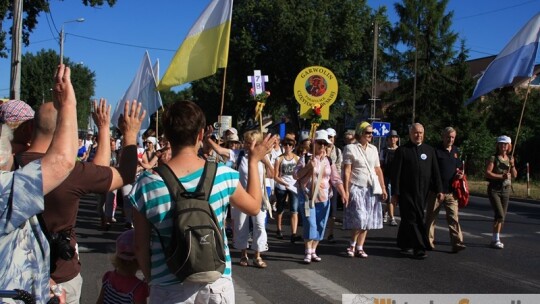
[(257, 81), (257, 84)]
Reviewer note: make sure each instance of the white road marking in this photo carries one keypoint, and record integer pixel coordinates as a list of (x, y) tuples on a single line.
[(461, 213), (502, 235), (241, 295), (466, 235), (505, 276), (318, 284)]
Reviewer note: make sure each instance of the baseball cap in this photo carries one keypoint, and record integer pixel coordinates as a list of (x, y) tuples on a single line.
[(124, 246), (15, 111), (322, 135), (331, 132), (504, 139)]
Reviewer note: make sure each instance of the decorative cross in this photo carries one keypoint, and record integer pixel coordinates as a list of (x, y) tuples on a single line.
[(257, 81)]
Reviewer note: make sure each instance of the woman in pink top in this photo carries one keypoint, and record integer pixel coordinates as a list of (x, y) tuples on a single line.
[(315, 174)]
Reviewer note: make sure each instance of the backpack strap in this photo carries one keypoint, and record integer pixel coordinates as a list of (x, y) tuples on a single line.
[(241, 154), (177, 190)]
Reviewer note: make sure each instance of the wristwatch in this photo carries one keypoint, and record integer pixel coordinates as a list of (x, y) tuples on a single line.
[(57, 290)]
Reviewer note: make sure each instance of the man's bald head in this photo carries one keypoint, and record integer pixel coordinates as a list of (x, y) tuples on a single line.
[(416, 133), (45, 120)]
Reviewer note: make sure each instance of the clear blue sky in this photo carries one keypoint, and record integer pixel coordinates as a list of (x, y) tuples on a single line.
[(112, 41)]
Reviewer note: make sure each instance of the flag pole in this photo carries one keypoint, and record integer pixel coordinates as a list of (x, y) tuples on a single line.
[(157, 119), (222, 100), (521, 117)]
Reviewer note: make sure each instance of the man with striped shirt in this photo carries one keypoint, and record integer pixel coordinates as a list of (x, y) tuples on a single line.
[(184, 124)]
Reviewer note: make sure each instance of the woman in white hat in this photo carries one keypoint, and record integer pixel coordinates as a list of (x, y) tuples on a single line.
[(500, 170), (316, 174)]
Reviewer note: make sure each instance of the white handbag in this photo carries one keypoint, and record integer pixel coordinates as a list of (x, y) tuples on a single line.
[(373, 178)]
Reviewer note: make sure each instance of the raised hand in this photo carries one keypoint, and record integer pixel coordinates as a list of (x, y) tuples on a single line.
[(101, 113), (63, 89), (258, 151), (130, 122)]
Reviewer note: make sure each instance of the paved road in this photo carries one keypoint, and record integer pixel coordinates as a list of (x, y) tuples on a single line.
[(477, 270)]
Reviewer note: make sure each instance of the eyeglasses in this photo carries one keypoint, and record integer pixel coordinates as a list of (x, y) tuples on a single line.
[(322, 142)]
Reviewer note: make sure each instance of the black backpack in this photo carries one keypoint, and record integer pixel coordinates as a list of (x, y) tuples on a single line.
[(196, 252)]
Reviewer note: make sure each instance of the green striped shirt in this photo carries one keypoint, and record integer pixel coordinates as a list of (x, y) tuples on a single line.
[(151, 198)]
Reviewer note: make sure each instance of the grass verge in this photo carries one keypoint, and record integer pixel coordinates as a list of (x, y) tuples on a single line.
[(520, 189)]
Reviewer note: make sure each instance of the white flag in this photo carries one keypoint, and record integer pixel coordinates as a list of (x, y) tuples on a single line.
[(143, 89)]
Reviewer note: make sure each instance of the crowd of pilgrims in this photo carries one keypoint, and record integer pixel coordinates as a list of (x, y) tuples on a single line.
[(309, 176)]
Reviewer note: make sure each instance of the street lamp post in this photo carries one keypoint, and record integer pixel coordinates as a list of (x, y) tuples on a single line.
[(62, 34)]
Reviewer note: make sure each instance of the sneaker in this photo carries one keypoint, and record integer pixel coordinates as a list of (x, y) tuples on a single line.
[(385, 218), (393, 222), (497, 245), (279, 235)]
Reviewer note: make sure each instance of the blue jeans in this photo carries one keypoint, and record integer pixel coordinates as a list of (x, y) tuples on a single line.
[(281, 197)]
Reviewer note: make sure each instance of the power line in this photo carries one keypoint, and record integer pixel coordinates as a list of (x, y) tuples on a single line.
[(123, 44), (496, 10)]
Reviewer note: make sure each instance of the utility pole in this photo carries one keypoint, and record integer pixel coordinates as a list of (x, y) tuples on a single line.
[(374, 72), (415, 72), (63, 37), (16, 35)]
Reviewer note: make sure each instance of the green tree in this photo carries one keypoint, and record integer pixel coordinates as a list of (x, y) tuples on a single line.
[(423, 31), (37, 82), (32, 9), (281, 38)]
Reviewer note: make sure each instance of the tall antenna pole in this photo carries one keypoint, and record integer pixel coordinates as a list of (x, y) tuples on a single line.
[(374, 71), (15, 83)]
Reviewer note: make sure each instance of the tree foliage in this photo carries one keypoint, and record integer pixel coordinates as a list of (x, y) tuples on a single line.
[(37, 77), (281, 38), (31, 11)]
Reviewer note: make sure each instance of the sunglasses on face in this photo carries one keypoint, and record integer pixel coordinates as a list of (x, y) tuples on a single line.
[(288, 144), (368, 133), (322, 142)]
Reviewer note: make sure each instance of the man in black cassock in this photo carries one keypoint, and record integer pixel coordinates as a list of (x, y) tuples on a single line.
[(415, 173)]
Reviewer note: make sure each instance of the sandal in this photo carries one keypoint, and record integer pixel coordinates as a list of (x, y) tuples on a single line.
[(350, 252), (244, 261), (259, 263), (361, 253), (315, 257), (307, 258)]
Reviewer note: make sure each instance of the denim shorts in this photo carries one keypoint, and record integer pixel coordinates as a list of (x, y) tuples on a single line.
[(281, 197)]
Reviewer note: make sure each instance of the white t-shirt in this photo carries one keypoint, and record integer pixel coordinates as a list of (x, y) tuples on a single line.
[(286, 171), (359, 171), (242, 167)]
